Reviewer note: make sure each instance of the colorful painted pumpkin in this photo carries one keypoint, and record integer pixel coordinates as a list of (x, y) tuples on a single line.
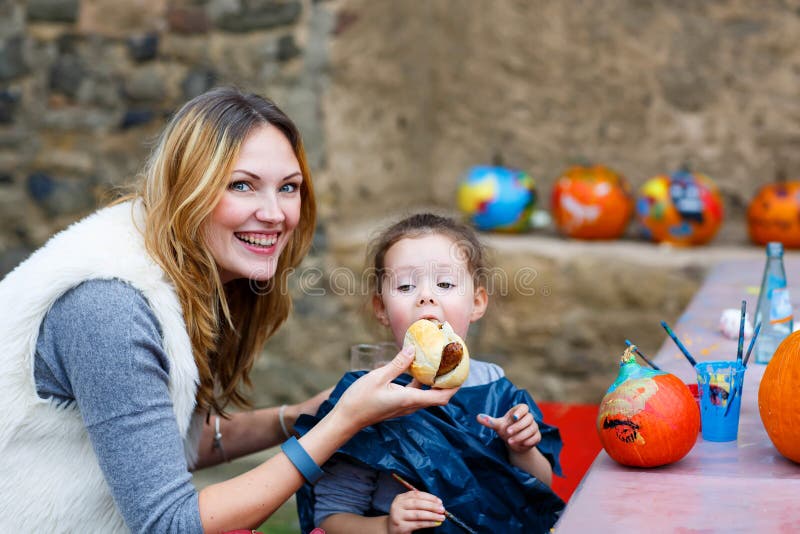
[(592, 202), (779, 398), (647, 418), (774, 214), (497, 198), (684, 208)]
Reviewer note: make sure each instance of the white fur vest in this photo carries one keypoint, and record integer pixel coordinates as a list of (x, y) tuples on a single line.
[(49, 476)]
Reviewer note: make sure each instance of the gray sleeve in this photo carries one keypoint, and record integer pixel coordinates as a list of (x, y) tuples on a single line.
[(346, 488), (100, 348), (481, 373)]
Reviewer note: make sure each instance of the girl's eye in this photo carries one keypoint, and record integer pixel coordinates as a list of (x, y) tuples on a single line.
[(240, 186), (405, 288), (289, 188), (446, 285)]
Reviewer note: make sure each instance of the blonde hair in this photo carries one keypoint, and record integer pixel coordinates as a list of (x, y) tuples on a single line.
[(183, 181)]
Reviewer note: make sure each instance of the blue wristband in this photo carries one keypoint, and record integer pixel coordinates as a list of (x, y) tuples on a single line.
[(301, 460)]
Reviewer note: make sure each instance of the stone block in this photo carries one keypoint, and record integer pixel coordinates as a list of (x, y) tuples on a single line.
[(60, 196), (112, 18), (187, 19), (66, 75), (12, 58), (254, 15), (53, 10), (287, 48), (143, 47), (146, 84), (197, 81), (8, 105), (136, 117)]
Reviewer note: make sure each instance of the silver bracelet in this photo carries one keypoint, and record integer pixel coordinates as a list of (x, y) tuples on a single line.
[(281, 410), (217, 444)]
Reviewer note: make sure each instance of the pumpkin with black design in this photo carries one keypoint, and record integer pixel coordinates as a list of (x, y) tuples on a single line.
[(647, 418), (591, 202), (774, 214), (684, 208), (779, 398)]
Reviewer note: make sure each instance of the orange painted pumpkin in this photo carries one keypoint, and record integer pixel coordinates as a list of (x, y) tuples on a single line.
[(591, 202), (779, 398), (647, 418), (774, 214), (684, 208)]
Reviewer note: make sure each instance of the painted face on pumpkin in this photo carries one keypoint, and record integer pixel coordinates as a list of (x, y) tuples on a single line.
[(627, 431)]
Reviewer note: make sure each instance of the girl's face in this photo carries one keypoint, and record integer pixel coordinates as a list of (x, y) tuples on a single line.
[(252, 224), (427, 278)]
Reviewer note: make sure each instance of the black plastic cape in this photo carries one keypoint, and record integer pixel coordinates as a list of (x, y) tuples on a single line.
[(446, 452)]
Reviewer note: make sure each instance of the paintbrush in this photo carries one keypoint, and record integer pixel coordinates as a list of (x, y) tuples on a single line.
[(741, 333), (641, 355), (457, 522), (678, 343), (752, 343), (737, 388)]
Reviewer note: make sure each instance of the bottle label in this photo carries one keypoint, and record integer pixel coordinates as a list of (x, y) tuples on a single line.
[(780, 310)]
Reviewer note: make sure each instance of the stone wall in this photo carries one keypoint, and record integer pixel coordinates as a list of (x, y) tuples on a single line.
[(396, 100), (85, 86), (422, 90)]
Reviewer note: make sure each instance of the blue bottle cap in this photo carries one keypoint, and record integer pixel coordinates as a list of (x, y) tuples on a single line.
[(774, 249)]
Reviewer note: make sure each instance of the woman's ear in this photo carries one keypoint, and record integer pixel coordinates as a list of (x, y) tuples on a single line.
[(479, 303), (380, 310)]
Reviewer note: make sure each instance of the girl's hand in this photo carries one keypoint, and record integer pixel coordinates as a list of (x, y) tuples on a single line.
[(414, 510), (373, 397), (517, 428)]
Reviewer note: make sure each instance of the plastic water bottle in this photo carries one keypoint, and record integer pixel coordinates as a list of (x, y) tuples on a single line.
[(774, 310)]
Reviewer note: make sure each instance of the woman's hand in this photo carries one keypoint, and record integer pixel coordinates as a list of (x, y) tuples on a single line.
[(517, 428), (414, 510), (373, 397)]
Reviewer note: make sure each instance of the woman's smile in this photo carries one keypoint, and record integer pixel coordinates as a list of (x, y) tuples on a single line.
[(257, 242)]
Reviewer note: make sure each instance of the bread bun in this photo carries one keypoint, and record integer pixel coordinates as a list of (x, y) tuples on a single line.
[(441, 359)]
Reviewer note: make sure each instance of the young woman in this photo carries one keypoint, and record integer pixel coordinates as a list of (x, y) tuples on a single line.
[(128, 336)]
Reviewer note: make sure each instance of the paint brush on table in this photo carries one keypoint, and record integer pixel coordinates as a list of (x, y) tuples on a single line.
[(737, 389), (678, 343), (641, 355), (457, 522), (741, 332), (752, 343)]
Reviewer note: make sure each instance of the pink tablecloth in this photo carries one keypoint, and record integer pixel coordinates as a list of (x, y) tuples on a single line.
[(741, 486)]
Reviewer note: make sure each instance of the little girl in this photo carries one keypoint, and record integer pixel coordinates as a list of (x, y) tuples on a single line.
[(487, 454)]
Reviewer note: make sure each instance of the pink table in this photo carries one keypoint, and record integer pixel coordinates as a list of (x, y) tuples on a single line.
[(741, 486)]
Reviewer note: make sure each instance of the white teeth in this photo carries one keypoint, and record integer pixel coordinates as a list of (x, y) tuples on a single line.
[(260, 241)]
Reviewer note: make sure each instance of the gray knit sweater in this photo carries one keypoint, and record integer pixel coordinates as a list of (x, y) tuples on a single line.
[(100, 347)]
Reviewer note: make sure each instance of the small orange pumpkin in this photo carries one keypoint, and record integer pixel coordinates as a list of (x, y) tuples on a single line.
[(647, 418), (774, 214), (591, 202), (779, 398)]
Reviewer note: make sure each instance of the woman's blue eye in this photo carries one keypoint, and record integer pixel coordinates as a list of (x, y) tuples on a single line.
[(239, 186), (289, 188), (446, 285)]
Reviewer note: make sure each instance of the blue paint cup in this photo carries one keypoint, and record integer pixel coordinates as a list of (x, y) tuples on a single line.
[(720, 385)]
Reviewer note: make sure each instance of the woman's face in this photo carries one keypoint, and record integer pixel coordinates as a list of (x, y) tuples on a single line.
[(252, 224)]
